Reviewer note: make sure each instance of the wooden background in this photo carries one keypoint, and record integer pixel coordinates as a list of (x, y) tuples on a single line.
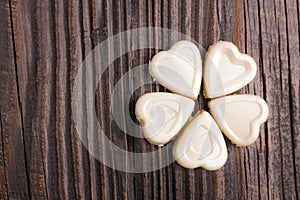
[(42, 43)]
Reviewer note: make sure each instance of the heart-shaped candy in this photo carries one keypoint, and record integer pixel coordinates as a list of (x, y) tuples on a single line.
[(226, 70), (240, 117), (179, 69), (163, 115), (201, 144)]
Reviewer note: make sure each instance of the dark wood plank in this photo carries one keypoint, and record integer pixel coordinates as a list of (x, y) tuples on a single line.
[(43, 44), (14, 168)]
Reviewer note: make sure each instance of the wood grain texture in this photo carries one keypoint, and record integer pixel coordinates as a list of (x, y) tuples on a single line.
[(43, 43)]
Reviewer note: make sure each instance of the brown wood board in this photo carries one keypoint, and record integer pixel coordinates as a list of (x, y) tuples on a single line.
[(43, 43)]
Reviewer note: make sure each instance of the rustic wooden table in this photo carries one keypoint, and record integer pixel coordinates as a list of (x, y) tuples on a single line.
[(44, 41)]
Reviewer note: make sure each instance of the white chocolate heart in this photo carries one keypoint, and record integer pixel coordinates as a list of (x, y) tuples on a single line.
[(226, 70), (179, 69), (163, 115), (201, 144), (240, 117)]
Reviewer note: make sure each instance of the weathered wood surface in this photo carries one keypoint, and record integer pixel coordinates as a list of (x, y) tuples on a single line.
[(43, 42)]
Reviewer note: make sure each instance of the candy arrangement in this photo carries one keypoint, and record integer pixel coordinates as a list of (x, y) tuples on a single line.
[(200, 142)]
